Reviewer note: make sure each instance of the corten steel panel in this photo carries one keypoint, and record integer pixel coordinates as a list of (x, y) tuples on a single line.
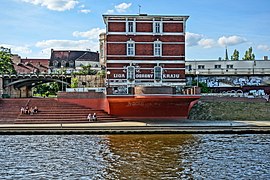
[(173, 27), (116, 26), (151, 106)]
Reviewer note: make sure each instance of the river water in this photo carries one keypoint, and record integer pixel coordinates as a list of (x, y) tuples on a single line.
[(135, 156)]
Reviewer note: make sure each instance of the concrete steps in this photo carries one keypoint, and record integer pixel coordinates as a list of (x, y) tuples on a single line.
[(50, 111)]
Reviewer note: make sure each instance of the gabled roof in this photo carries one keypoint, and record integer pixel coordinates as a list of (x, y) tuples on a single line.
[(71, 55)]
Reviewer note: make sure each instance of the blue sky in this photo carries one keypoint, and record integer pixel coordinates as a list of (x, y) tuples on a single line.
[(32, 27)]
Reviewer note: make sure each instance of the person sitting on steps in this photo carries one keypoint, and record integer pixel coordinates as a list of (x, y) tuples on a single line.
[(35, 109), (94, 117), (89, 117)]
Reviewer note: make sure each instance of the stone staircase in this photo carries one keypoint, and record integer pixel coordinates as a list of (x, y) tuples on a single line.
[(10, 109), (50, 111)]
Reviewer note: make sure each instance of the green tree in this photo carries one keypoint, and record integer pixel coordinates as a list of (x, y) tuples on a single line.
[(226, 54), (249, 55), (47, 89), (101, 73), (86, 70), (203, 86), (6, 65), (74, 82), (235, 55)]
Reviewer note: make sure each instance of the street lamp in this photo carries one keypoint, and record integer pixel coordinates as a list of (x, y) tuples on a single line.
[(62, 72), (197, 73), (108, 75)]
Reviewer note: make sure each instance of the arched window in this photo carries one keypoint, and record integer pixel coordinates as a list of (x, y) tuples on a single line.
[(131, 73), (71, 64), (55, 64), (63, 63), (157, 73)]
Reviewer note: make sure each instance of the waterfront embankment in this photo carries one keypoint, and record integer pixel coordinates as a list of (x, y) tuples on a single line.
[(231, 108), (142, 127)]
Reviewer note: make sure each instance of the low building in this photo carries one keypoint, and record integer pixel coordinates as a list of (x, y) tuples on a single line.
[(30, 66), (71, 60), (229, 74)]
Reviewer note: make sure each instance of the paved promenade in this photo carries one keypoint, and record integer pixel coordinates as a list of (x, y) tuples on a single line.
[(141, 127)]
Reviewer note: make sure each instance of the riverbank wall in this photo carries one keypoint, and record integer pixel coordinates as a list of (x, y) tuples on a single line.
[(230, 108)]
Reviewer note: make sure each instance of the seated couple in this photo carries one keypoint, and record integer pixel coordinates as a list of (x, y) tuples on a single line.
[(92, 118)]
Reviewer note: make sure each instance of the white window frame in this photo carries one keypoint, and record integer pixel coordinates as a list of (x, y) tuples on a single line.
[(131, 73), (217, 66), (130, 48), (157, 27), (157, 48), (157, 74), (201, 66), (128, 29)]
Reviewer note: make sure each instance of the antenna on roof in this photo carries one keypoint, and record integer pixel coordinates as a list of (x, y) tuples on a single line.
[(139, 9)]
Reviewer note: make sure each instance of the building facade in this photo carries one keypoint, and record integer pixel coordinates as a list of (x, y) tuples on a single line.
[(228, 73), (144, 50), (70, 60)]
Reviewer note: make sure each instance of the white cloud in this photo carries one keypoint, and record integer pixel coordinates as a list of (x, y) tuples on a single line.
[(121, 8), (192, 39), (207, 43), (231, 40), (85, 11), (91, 34), (61, 43), (56, 5), (17, 49), (110, 11), (263, 47)]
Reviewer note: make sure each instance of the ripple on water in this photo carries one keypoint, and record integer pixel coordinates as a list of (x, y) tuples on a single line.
[(135, 157)]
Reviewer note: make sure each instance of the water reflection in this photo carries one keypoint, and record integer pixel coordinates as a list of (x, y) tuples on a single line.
[(135, 157), (147, 156)]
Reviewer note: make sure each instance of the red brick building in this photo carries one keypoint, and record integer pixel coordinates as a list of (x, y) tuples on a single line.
[(144, 50)]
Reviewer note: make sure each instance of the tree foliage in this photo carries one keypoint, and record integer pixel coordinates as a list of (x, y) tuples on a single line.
[(235, 55), (86, 70), (46, 89), (6, 66), (74, 82), (249, 55), (101, 73), (203, 86)]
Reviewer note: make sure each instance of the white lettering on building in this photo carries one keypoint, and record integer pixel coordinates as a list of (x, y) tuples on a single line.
[(144, 76), (171, 76), (119, 76)]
